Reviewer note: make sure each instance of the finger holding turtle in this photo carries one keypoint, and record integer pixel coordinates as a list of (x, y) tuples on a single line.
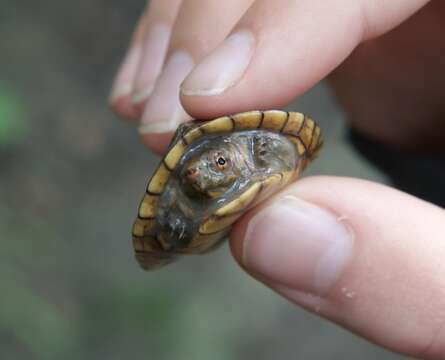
[(242, 72), (363, 255)]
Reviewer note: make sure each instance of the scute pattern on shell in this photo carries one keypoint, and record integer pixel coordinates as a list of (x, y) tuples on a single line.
[(153, 248)]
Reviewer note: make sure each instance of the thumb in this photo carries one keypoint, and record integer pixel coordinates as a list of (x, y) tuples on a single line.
[(280, 48), (363, 255)]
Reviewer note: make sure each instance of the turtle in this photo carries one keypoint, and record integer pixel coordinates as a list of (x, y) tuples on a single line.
[(212, 173)]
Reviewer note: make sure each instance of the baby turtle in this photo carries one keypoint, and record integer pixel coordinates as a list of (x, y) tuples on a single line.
[(212, 173)]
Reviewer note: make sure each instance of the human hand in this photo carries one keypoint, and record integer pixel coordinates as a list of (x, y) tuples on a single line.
[(282, 48), (363, 255)]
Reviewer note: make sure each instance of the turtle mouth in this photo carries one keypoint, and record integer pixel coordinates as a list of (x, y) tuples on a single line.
[(207, 193), (200, 183), (207, 186), (192, 175)]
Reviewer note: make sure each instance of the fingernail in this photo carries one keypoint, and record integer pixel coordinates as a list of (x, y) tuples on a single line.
[(310, 301), (163, 111), (299, 245), (155, 46), (123, 84), (142, 95), (223, 68)]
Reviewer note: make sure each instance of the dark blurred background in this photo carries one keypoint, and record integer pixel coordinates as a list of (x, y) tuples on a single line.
[(71, 177)]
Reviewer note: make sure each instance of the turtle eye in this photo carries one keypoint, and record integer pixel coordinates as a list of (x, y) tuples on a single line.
[(221, 162)]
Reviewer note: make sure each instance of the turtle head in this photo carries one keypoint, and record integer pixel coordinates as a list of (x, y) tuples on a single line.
[(211, 172)]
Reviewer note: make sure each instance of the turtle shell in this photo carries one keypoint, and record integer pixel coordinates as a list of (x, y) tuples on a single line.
[(212, 173)]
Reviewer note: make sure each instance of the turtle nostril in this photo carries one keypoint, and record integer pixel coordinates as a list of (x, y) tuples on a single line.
[(192, 174)]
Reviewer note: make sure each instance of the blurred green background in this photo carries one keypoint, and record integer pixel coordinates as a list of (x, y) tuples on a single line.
[(71, 177)]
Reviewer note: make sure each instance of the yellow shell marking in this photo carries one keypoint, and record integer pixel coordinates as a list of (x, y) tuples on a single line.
[(315, 141), (138, 228), (192, 135), (294, 123), (159, 179), (298, 143), (215, 224), (274, 120), (271, 182), (148, 206), (288, 176), (248, 120), (306, 132), (222, 124), (142, 227), (268, 187), (239, 203), (175, 153)]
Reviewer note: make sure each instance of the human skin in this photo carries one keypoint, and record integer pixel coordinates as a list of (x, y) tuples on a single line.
[(371, 259)]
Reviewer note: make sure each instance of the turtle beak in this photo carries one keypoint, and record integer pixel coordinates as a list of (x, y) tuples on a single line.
[(192, 174)]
